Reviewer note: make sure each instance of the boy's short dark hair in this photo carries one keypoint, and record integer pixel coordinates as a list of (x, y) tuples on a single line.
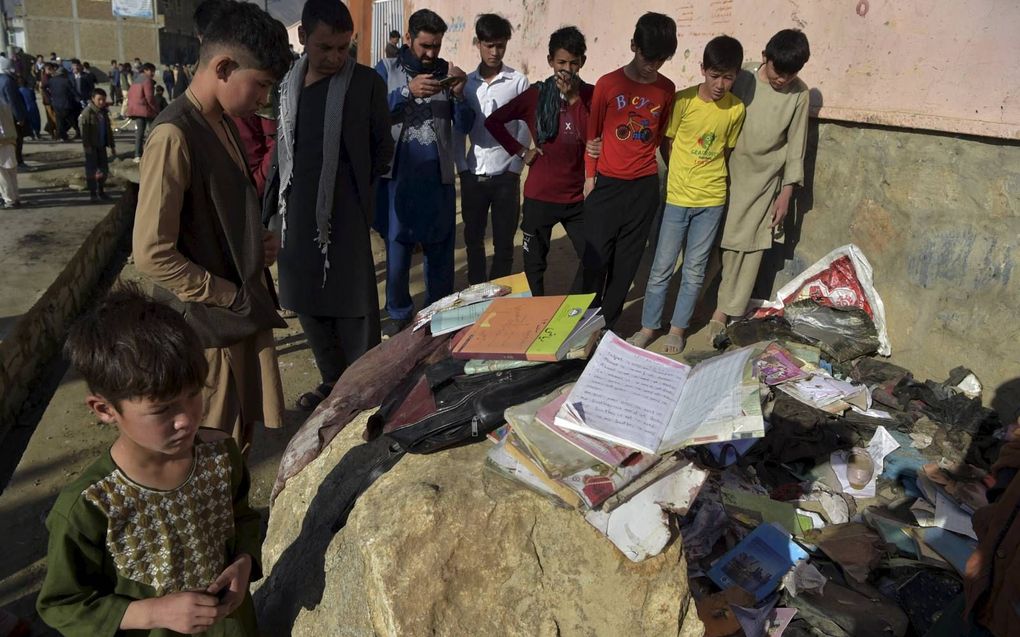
[(130, 346), (788, 51), (76, 61), (570, 39), (254, 37), (723, 53), (98, 91), (655, 36), (490, 27), (394, 34), (111, 61), (149, 66), (204, 14), (425, 20), (332, 13), (159, 89)]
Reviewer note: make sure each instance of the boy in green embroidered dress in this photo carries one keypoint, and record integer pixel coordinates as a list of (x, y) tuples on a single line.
[(156, 537)]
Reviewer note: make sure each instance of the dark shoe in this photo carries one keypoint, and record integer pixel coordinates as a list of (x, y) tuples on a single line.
[(94, 198), (394, 327), (310, 400), (104, 196)]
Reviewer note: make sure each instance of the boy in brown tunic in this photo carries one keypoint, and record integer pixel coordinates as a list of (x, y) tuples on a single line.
[(198, 233), (766, 164)]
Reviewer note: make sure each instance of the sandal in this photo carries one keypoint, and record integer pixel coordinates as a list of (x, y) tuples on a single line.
[(715, 328), (640, 339), (673, 344), (310, 400)]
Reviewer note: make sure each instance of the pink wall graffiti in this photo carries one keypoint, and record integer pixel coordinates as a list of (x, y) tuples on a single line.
[(933, 64)]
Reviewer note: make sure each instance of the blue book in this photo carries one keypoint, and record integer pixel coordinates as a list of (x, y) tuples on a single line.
[(759, 562)]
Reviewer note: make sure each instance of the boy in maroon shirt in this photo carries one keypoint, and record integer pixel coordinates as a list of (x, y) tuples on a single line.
[(556, 112), (631, 106)]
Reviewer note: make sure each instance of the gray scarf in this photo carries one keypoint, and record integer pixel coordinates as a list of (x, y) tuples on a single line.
[(290, 91)]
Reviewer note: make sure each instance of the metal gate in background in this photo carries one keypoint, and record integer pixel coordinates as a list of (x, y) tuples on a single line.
[(387, 15)]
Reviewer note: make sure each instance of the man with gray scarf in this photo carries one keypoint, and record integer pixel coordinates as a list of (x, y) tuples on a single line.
[(333, 142)]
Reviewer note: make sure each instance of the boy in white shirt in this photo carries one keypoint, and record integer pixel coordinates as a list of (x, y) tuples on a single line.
[(489, 176)]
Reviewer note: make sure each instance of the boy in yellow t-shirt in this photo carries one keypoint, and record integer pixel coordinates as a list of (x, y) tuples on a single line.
[(703, 129)]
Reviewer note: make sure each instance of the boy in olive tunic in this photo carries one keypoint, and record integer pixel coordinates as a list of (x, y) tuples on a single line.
[(766, 164), (198, 232), (156, 537)]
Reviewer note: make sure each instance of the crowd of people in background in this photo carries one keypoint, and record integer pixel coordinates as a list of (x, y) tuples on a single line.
[(75, 98)]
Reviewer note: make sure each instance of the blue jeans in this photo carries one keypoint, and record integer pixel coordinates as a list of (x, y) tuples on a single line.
[(697, 227), (438, 265)]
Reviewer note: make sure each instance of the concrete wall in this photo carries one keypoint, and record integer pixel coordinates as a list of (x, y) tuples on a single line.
[(934, 64), (938, 216), (39, 332)]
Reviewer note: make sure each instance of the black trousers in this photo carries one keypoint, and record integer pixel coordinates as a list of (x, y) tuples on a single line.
[(141, 123), (97, 167), (19, 147), (478, 194), (338, 342), (63, 123), (537, 224), (618, 215)]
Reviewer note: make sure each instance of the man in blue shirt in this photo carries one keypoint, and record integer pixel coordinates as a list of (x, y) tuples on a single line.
[(416, 199)]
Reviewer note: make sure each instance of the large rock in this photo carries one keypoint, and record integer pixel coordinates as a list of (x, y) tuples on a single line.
[(439, 546)]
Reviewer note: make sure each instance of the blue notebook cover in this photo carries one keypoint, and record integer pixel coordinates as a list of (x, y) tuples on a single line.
[(759, 562)]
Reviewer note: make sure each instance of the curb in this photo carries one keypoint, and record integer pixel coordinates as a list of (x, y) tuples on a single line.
[(39, 333)]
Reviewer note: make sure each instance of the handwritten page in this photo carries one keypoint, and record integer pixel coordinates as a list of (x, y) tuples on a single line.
[(625, 395), (712, 394)]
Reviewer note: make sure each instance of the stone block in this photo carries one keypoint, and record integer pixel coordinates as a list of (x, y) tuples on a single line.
[(439, 546)]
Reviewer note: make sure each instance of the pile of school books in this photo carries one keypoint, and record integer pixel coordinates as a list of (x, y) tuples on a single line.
[(613, 444)]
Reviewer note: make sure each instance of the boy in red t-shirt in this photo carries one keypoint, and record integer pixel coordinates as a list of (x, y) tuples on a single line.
[(556, 112), (621, 187)]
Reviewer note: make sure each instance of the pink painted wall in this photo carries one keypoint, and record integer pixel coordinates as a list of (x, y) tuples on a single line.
[(941, 65)]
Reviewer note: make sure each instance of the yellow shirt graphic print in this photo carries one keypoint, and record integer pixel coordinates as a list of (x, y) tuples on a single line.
[(701, 131)]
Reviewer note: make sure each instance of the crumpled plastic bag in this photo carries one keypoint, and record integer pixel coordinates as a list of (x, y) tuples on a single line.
[(843, 278)]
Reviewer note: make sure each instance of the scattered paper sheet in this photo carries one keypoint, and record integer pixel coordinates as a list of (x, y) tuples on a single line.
[(804, 577), (755, 621), (881, 445), (640, 526), (951, 517), (873, 413), (780, 620), (832, 504)]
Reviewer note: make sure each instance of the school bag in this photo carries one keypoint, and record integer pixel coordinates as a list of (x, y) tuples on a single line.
[(439, 406)]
